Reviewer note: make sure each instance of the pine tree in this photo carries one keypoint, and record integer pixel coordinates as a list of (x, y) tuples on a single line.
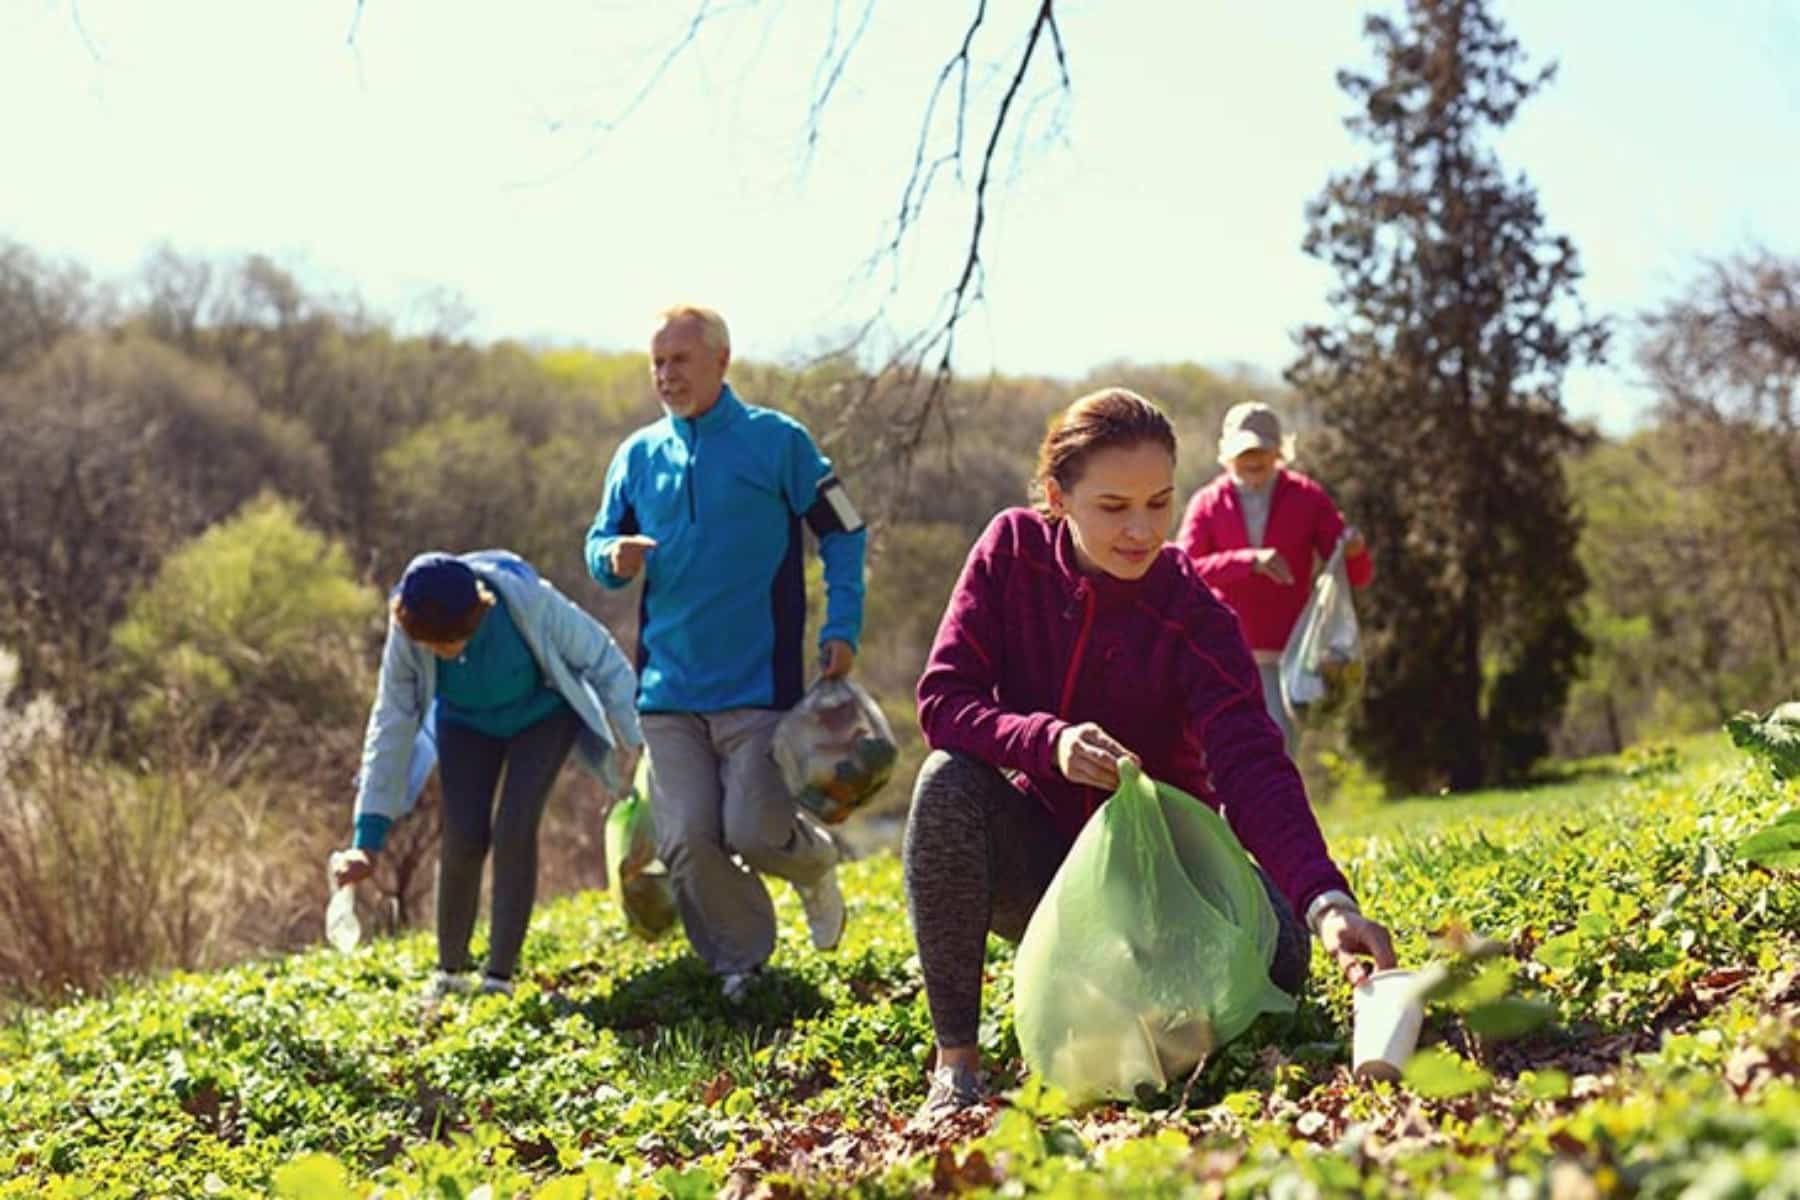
[(1439, 390)]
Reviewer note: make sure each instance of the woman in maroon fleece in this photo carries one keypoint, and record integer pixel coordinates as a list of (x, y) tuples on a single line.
[(1076, 638)]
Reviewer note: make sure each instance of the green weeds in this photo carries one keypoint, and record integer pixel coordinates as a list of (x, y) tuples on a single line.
[(1619, 1015)]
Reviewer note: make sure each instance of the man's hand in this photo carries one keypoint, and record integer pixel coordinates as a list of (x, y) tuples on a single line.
[(1350, 937), (1088, 755), (836, 658), (1268, 561), (625, 557), (352, 866), (1354, 546)]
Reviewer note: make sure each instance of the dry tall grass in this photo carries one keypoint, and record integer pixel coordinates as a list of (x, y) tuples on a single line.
[(107, 870), (192, 862)]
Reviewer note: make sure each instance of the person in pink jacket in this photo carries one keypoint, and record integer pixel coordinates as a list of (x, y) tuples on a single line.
[(1255, 533), (1077, 638)]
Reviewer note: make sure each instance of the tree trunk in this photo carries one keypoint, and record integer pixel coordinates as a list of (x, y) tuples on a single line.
[(1466, 772), (1776, 628)]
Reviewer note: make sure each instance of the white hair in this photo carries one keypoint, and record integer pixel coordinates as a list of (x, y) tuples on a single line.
[(713, 331)]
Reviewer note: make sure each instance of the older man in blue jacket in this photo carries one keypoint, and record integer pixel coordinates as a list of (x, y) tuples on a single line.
[(707, 505)]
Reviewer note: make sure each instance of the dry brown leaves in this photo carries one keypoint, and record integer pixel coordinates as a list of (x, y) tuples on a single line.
[(826, 1150)]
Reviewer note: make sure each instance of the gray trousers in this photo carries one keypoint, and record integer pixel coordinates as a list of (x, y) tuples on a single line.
[(722, 816), (978, 857), (470, 764), (1271, 686)]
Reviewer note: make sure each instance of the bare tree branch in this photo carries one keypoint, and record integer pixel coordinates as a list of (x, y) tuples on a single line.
[(955, 75), (830, 70), (81, 31), (911, 388), (919, 179), (706, 11), (968, 289)]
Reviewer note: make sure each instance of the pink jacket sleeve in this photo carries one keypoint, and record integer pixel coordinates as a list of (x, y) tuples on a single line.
[(958, 710), (1216, 565)]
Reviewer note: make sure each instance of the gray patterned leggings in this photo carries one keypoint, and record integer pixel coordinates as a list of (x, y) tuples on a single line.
[(978, 858)]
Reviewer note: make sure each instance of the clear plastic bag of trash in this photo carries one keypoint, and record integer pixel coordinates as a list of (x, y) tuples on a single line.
[(1321, 664), (1149, 950), (342, 929), (834, 749), (639, 880)]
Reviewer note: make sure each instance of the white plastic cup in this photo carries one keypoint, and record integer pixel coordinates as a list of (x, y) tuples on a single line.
[(342, 929), (1387, 1016)]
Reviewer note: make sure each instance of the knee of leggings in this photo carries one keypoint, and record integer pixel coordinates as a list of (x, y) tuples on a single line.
[(948, 776), (460, 839), (510, 842), (947, 796)]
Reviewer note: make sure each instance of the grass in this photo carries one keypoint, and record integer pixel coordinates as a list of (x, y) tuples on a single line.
[(1665, 971), (1573, 786)]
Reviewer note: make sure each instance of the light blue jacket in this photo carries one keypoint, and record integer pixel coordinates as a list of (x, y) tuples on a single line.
[(580, 661)]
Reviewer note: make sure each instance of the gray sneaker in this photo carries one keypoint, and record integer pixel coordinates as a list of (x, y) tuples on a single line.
[(825, 910), (494, 985), (447, 983), (952, 1090)]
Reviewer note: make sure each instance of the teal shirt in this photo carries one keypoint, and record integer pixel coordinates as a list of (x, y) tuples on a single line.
[(495, 686)]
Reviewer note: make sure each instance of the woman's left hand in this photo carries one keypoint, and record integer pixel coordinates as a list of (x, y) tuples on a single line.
[(1351, 938)]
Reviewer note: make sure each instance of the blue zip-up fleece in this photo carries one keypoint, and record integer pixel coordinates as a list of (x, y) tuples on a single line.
[(579, 660), (722, 618)]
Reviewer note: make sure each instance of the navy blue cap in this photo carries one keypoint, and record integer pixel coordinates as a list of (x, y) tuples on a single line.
[(438, 590)]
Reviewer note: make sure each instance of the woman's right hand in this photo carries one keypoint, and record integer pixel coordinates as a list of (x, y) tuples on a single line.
[(1268, 561), (1088, 755), (1350, 937), (352, 866)]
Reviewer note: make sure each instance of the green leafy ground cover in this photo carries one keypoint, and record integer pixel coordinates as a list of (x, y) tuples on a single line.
[(1637, 1033)]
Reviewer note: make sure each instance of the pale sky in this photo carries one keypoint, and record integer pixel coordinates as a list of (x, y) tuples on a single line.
[(461, 146)]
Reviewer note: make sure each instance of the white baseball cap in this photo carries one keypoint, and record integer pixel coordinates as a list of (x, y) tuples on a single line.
[(1252, 425)]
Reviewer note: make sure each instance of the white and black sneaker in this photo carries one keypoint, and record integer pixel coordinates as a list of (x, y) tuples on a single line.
[(952, 1089), (735, 985)]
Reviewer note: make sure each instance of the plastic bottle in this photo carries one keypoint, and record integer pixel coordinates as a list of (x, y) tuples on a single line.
[(342, 929)]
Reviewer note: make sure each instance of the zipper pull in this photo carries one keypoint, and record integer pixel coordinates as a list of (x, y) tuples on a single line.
[(1074, 608)]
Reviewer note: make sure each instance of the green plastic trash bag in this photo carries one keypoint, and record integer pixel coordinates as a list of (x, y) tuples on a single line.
[(1150, 948), (640, 882)]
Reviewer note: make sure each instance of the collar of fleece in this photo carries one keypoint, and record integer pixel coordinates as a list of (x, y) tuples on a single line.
[(1154, 587)]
